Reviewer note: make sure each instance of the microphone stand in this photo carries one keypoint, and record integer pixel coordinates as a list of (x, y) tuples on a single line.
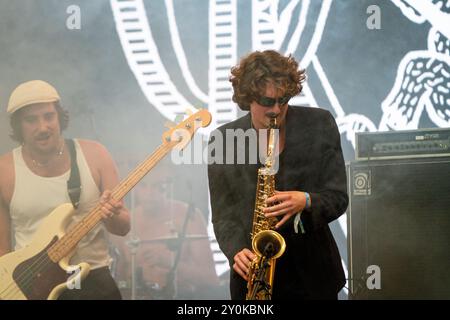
[(133, 244), (171, 288)]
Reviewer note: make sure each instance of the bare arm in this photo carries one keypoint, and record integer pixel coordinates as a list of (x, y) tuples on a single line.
[(5, 228)]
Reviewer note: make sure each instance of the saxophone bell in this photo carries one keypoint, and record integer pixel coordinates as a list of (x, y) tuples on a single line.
[(269, 243)]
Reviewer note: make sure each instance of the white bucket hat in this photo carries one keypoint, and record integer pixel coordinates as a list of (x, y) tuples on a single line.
[(31, 92)]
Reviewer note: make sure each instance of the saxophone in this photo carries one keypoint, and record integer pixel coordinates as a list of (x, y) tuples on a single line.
[(267, 244)]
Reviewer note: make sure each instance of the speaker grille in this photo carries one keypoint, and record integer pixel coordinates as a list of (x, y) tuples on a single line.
[(399, 220)]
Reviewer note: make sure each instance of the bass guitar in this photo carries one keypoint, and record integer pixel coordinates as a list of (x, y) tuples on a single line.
[(41, 270)]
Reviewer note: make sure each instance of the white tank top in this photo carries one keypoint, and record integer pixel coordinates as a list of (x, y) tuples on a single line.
[(35, 197)]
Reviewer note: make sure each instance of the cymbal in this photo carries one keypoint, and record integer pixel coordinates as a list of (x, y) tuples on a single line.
[(173, 239)]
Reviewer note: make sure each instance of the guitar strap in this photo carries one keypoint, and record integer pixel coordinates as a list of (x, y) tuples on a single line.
[(74, 183)]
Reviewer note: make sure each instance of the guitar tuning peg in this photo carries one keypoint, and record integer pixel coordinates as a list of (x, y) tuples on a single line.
[(169, 124)]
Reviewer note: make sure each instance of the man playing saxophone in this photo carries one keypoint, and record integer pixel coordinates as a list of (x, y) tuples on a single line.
[(310, 181)]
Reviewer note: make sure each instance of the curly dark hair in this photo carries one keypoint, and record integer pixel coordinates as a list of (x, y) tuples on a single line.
[(14, 121), (250, 77)]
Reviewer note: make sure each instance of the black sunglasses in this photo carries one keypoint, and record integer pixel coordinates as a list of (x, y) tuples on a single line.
[(270, 102)]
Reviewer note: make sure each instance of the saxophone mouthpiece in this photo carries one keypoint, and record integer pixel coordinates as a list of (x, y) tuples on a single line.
[(273, 123)]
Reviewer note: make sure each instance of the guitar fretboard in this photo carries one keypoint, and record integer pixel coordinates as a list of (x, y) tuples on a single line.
[(68, 242)]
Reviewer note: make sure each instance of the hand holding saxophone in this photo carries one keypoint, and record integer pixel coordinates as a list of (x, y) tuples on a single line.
[(286, 203), (242, 261)]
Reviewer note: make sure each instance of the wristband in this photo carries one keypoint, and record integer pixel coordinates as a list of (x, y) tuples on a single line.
[(308, 200)]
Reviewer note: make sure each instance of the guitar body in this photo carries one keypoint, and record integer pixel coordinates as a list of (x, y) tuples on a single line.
[(29, 273)]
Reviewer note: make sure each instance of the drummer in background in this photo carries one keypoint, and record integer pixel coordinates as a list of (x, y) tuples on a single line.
[(158, 221)]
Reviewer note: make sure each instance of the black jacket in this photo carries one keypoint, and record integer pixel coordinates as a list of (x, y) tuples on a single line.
[(311, 161)]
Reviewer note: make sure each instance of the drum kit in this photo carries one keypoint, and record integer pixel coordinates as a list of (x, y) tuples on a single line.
[(139, 288)]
